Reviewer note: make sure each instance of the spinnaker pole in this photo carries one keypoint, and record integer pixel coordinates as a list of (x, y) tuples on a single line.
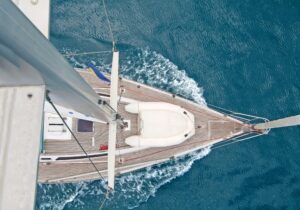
[(284, 122)]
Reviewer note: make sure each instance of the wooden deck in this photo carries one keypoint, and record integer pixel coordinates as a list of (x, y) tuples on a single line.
[(210, 127)]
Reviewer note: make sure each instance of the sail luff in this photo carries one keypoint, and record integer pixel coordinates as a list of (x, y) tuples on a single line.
[(113, 124)]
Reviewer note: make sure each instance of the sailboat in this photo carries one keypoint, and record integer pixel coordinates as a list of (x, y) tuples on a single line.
[(59, 124)]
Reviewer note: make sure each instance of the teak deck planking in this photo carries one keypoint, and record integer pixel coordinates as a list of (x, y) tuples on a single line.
[(210, 127)]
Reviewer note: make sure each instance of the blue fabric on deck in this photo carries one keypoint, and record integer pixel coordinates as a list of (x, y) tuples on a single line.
[(98, 72)]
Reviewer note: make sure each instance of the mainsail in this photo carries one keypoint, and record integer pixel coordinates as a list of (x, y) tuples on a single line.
[(20, 39)]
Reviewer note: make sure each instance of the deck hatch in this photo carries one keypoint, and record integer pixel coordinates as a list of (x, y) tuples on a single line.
[(85, 126), (55, 129)]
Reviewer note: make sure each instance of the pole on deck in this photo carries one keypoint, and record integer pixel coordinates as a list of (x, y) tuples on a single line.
[(113, 124), (284, 122)]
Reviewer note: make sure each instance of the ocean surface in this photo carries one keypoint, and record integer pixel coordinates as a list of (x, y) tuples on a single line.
[(240, 55)]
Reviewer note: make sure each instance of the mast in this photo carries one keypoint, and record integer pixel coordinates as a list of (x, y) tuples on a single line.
[(114, 87), (30, 66), (22, 94), (20, 133)]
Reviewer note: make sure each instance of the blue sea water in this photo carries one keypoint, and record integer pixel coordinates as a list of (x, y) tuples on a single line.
[(240, 55)]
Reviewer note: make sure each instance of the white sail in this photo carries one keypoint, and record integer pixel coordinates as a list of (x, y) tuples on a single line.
[(20, 40), (38, 12), (21, 109)]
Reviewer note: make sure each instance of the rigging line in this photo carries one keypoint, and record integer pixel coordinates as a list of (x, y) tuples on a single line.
[(95, 167), (227, 110), (122, 91), (90, 53), (190, 109), (54, 107), (238, 141), (98, 134), (251, 117), (104, 200), (87, 53), (109, 25)]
